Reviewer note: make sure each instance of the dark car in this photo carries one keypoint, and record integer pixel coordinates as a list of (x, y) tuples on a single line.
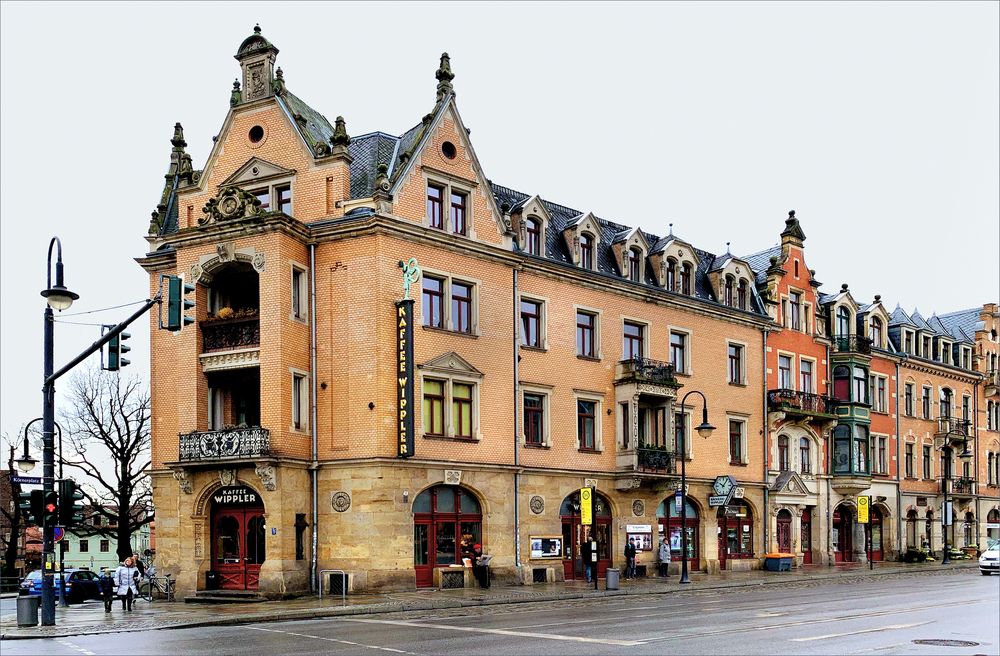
[(81, 585)]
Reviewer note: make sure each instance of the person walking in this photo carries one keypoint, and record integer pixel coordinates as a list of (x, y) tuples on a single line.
[(586, 553), (664, 553), (139, 565), (630, 559), (125, 577), (107, 584)]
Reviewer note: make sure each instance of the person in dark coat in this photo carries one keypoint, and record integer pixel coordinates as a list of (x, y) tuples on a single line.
[(480, 570), (587, 554), (107, 584), (630, 559)]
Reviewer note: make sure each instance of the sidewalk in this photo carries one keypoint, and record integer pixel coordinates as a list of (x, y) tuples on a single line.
[(90, 617)]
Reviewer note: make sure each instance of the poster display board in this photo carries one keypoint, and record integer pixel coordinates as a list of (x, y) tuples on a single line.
[(546, 546)]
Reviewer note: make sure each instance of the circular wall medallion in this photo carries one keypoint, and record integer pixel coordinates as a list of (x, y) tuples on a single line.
[(341, 501), (638, 508), (537, 504)]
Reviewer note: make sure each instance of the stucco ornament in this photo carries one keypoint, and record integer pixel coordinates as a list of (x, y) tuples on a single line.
[(258, 261), (231, 204), (267, 476), (227, 477), (537, 504), (181, 476), (638, 507), (341, 501)]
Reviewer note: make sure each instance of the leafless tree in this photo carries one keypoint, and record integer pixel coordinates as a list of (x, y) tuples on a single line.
[(12, 524), (107, 439)]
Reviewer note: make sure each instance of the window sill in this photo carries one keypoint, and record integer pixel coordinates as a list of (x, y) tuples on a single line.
[(737, 464), (910, 478), (682, 373), (449, 438), (880, 412), (591, 451), (880, 475), (536, 349), (588, 358), (448, 331), (737, 384), (526, 445)]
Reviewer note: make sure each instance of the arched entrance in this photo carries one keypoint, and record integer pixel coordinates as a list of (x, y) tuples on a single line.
[(911, 530), (805, 541), (670, 524), (575, 533), (238, 529), (928, 529), (969, 529), (843, 534), (735, 532), (784, 531), (993, 524), (447, 522), (876, 529)]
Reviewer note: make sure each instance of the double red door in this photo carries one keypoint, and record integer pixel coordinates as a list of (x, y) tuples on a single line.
[(574, 535), (238, 547)]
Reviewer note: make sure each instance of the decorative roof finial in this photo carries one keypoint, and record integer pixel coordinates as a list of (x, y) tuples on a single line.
[(444, 77), (727, 249), (236, 97), (878, 298), (843, 288), (793, 230), (178, 139), (279, 82), (256, 28), (340, 139), (671, 230)]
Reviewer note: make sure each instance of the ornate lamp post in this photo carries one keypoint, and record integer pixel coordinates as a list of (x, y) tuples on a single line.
[(705, 430)]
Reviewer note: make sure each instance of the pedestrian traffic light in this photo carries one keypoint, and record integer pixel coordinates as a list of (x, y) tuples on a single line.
[(30, 505), (70, 512), (50, 508), (116, 347), (177, 305)]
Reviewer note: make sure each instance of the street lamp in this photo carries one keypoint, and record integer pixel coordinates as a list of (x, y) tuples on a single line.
[(705, 430), (58, 297)]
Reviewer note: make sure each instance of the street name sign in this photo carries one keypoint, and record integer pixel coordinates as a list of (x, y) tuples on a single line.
[(26, 480)]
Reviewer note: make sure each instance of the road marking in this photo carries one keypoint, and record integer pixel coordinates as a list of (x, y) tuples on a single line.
[(506, 632), (892, 646), (82, 650), (342, 642), (890, 627)]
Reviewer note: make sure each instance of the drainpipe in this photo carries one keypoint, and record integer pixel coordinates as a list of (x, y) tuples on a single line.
[(767, 486), (899, 493), (517, 440), (314, 467), (829, 475), (975, 457)]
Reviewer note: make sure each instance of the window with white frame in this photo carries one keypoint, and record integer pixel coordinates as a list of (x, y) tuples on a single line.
[(300, 401), (588, 423), (795, 310), (300, 293), (806, 381), (449, 303), (908, 342), (450, 407), (785, 372), (878, 393), (945, 352), (535, 413), (880, 454)]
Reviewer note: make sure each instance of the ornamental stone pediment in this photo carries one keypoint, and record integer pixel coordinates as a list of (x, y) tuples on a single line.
[(789, 483), (256, 170), (231, 204), (451, 363)]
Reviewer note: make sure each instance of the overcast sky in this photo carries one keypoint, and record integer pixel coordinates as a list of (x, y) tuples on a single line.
[(879, 123)]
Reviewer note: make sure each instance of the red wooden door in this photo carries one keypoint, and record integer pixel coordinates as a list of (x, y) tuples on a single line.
[(806, 538), (876, 534), (843, 542), (238, 547), (784, 531)]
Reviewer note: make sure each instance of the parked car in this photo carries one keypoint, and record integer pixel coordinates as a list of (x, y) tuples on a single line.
[(989, 562), (81, 585)]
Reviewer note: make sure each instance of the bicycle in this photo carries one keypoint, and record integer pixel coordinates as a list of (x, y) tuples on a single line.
[(163, 585)]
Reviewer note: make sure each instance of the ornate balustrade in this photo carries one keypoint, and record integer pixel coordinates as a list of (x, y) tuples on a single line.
[(227, 443), (230, 335), (786, 400)]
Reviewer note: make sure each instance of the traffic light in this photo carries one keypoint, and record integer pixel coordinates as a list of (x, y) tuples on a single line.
[(116, 347), (50, 508), (177, 305), (70, 512), (30, 504)]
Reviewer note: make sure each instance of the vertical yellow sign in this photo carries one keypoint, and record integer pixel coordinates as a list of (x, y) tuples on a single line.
[(586, 506), (863, 503)]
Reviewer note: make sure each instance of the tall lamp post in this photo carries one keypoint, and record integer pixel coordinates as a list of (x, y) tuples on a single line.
[(57, 298), (705, 430), (26, 463)]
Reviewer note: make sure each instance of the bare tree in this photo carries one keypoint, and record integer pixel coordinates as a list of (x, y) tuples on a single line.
[(108, 440), (12, 524)]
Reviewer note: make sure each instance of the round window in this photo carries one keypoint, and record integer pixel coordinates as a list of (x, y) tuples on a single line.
[(256, 134), (449, 150)]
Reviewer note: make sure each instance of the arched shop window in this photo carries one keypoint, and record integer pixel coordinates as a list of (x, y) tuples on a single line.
[(735, 530), (447, 522), (669, 520), (575, 534)]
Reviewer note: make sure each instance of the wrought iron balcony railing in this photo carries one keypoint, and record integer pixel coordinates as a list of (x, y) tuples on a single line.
[(660, 461), (852, 344), (963, 486), (230, 335), (800, 402), (227, 443), (647, 370), (955, 427)]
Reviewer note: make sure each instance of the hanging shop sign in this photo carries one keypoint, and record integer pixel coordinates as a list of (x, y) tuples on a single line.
[(239, 495)]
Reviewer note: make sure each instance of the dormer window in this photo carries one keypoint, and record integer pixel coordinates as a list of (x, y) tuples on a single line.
[(533, 230), (586, 251), (876, 332), (728, 294), (635, 265), (686, 274), (671, 275), (925, 348), (908, 342), (945, 352), (741, 294), (843, 322)]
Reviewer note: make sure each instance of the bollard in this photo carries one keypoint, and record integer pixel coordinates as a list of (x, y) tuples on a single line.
[(27, 610)]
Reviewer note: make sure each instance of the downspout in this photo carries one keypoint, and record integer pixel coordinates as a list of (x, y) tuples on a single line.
[(314, 467), (899, 491), (767, 486), (975, 457), (517, 439), (829, 476)]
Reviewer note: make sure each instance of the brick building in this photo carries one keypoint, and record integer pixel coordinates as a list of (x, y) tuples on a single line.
[(332, 409)]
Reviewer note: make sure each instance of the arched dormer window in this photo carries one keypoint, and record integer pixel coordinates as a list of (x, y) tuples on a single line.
[(671, 274), (741, 294), (533, 230), (729, 291), (843, 322), (586, 251), (687, 273), (635, 265), (876, 332)]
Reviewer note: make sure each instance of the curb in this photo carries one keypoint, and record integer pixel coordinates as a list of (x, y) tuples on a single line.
[(441, 604)]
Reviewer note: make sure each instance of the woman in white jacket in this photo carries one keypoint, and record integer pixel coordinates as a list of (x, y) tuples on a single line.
[(125, 579)]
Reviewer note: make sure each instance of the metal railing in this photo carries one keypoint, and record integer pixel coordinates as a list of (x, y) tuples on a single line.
[(230, 335), (963, 485), (655, 460), (343, 583), (786, 399), (852, 344), (647, 370), (227, 443), (954, 426)]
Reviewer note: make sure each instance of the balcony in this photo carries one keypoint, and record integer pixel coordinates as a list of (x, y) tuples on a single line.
[(852, 344), (655, 461), (953, 429), (230, 334), (961, 487), (801, 403), (992, 383), (226, 444), (645, 370)]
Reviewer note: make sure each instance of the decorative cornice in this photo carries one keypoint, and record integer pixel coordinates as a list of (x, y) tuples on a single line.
[(242, 359)]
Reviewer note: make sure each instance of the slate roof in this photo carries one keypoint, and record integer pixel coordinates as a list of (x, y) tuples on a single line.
[(761, 260), (314, 128), (919, 321), (899, 318), (368, 151), (963, 324)]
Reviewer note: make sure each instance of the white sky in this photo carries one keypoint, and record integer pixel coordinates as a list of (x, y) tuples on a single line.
[(879, 123)]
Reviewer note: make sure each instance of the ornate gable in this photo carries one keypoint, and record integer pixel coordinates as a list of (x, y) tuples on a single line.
[(256, 170), (452, 364), (789, 483), (571, 233)]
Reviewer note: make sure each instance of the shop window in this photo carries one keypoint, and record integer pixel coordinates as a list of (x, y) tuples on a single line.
[(735, 530), (447, 523)]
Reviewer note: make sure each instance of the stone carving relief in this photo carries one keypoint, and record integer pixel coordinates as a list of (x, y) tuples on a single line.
[(537, 504), (267, 475), (258, 261), (341, 501), (227, 477), (453, 477), (638, 507), (231, 204), (226, 251), (196, 273), (199, 539), (181, 476)]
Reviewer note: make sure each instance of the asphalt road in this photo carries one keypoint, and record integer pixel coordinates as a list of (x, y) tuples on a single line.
[(878, 617)]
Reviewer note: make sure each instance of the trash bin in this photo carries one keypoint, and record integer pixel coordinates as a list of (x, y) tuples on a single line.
[(211, 580), (611, 582), (27, 610)]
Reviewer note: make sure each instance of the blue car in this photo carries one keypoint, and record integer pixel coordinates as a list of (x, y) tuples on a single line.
[(81, 585)]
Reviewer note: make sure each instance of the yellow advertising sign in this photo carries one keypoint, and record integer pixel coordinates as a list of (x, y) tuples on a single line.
[(586, 506), (863, 503)]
